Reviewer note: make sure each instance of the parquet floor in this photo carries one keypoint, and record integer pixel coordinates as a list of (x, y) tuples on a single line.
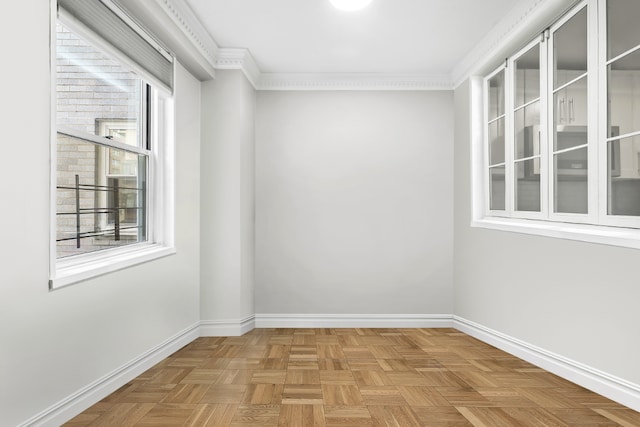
[(350, 377)]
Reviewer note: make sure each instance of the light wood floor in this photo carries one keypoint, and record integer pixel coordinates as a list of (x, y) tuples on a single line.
[(350, 377)]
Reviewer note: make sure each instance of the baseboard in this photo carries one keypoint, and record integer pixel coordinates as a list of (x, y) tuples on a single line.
[(71, 406), (616, 389), (353, 321), (227, 327)]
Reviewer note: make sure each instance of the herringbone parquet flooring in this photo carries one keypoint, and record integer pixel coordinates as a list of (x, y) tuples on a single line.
[(350, 377)]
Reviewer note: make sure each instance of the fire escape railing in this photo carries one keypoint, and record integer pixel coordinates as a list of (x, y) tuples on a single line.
[(115, 189)]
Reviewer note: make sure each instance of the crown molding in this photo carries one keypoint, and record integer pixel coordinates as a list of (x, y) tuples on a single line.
[(241, 59), (353, 81), (520, 25), (238, 59), (179, 29), (190, 25), (287, 320)]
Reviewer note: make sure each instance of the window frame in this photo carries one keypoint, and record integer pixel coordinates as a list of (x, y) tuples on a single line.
[(157, 145), (487, 166), (103, 126), (591, 217), (597, 226), (510, 148), (603, 86)]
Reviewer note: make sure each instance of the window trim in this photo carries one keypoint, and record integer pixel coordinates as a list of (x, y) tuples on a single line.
[(591, 217), (606, 235), (603, 62), (542, 100), (161, 160), (610, 230), (486, 164)]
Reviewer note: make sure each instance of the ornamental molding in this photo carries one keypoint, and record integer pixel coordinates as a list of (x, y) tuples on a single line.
[(241, 59), (190, 25), (238, 59), (353, 81), (517, 27), (524, 19)]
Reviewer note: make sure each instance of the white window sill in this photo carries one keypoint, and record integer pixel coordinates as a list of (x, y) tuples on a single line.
[(615, 236), (83, 267)]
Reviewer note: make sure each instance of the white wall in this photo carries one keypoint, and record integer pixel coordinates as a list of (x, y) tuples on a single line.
[(354, 202), (54, 343), (227, 162), (578, 300)]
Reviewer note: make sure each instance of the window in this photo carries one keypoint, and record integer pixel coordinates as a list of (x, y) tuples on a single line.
[(562, 129), (112, 146), (620, 139)]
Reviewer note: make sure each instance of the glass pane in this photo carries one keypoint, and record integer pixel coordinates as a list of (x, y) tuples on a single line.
[(570, 178), (571, 104), (496, 95), (624, 93), (528, 185), (101, 197), (624, 176), (527, 131), (496, 142), (570, 49), (95, 94), (623, 31), (527, 77), (497, 190), (568, 137)]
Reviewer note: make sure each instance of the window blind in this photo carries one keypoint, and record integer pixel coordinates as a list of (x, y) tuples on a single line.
[(107, 21)]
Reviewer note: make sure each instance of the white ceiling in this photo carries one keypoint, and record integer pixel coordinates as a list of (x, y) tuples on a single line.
[(428, 37)]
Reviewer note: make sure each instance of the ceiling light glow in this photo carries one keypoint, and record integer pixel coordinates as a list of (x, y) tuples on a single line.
[(350, 5)]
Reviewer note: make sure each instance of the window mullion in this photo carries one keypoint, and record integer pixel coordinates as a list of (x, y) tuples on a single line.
[(545, 102), (594, 172), (589, 131), (509, 140), (603, 184), (492, 164), (549, 129)]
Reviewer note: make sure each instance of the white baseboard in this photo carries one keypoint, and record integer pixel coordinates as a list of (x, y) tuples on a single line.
[(600, 382), (227, 327), (353, 321), (616, 389), (71, 406)]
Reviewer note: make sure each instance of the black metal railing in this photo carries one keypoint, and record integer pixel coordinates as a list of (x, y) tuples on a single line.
[(115, 209)]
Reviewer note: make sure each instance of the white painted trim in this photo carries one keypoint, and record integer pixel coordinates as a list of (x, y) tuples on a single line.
[(517, 28), (241, 59), (614, 236), (84, 267), (607, 385), (353, 320), (227, 327), (161, 203), (521, 23), (478, 158), (617, 389), (53, 147), (177, 26), (353, 81), (238, 59), (187, 21), (82, 399)]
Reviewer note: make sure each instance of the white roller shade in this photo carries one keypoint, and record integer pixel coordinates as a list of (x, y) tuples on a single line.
[(110, 23)]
